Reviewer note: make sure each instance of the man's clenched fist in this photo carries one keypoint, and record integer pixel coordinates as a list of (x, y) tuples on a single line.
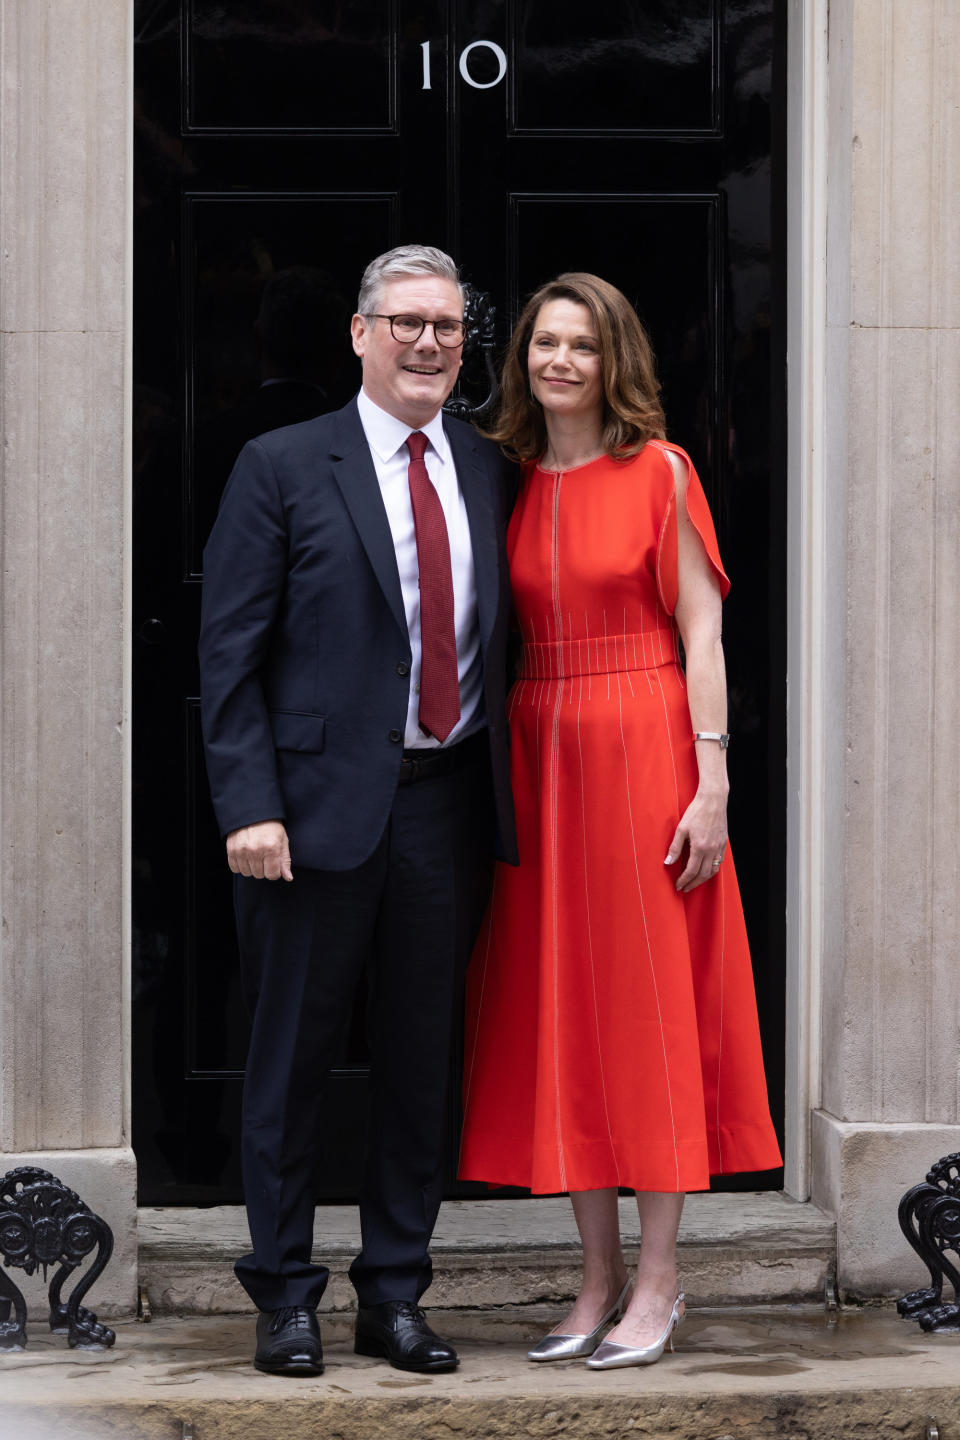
[(261, 852)]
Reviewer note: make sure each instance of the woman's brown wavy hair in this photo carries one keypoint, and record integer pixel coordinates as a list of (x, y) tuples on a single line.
[(632, 413)]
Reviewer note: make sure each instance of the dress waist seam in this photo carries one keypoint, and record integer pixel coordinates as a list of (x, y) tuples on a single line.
[(598, 655)]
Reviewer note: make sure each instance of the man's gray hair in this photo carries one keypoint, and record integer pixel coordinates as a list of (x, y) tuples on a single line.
[(397, 264)]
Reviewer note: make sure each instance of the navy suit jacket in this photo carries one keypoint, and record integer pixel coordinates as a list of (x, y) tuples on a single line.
[(304, 651)]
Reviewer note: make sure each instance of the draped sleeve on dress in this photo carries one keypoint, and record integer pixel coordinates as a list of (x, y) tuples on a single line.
[(699, 512)]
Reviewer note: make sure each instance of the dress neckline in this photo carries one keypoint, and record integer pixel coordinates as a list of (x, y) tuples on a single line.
[(573, 469)]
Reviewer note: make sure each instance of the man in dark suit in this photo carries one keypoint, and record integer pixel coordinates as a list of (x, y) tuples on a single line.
[(352, 657)]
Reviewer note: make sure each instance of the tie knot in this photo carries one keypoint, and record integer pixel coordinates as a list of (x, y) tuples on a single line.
[(416, 444)]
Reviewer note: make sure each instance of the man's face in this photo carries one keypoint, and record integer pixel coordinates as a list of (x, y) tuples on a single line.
[(410, 381)]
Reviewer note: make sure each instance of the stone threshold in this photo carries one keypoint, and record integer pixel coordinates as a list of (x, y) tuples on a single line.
[(787, 1372), (755, 1248)]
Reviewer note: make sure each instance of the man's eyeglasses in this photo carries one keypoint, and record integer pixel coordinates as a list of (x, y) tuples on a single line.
[(408, 328)]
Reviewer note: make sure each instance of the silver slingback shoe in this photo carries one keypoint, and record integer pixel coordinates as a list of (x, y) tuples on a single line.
[(571, 1347), (611, 1356)]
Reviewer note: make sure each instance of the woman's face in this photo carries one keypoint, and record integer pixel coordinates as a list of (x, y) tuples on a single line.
[(563, 360)]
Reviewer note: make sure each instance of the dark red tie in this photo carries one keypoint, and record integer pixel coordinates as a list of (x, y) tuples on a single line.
[(439, 680)]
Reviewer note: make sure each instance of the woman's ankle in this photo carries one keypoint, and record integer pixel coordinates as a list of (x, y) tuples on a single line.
[(661, 1279), (604, 1287)]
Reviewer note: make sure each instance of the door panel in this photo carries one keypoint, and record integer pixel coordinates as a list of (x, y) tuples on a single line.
[(227, 240), (280, 144), (628, 239), (628, 68), (281, 68)]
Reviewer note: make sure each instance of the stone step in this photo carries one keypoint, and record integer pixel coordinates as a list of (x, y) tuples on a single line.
[(786, 1373), (756, 1248)]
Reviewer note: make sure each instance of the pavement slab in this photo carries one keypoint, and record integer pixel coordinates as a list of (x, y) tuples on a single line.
[(788, 1373)]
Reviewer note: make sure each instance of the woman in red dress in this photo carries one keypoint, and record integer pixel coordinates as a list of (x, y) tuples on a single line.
[(612, 1035)]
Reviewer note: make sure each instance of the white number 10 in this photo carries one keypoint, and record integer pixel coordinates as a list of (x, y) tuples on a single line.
[(464, 70)]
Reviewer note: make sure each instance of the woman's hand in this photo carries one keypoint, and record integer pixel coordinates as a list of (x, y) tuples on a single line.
[(703, 830)]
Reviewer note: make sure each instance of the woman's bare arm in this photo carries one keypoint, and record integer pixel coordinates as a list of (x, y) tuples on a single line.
[(703, 826)]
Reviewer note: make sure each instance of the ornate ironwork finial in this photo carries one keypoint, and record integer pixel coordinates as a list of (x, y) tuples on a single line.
[(42, 1223), (479, 317), (929, 1216)]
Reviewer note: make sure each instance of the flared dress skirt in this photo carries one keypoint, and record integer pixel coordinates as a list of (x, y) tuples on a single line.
[(611, 1029)]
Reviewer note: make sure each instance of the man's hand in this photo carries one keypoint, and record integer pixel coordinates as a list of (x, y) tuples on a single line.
[(261, 852)]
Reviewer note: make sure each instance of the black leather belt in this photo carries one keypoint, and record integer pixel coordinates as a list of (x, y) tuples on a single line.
[(427, 764)]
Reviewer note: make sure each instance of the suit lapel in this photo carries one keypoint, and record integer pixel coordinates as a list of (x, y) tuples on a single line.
[(355, 475), (475, 488)]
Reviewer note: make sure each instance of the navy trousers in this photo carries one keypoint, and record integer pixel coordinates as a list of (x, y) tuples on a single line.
[(410, 915)]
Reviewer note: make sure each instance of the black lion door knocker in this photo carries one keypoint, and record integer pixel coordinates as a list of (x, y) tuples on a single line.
[(479, 318), (42, 1223)]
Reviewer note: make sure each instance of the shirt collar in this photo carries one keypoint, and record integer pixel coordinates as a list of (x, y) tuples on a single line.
[(385, 433)]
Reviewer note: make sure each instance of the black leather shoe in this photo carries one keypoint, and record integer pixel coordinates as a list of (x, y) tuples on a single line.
[(398, 1331), (288, 1342)]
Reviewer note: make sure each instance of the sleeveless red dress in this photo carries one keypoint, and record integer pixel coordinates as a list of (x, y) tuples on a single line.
[(612, 1034)]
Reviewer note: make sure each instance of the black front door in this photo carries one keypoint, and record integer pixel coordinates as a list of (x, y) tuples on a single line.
[(280, 144)]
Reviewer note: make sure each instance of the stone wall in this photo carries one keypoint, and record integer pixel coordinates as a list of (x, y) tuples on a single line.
[(64, 225), (890, 1091)]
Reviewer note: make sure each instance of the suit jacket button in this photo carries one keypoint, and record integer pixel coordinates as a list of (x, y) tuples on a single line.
[(396, 736), (403, 668)]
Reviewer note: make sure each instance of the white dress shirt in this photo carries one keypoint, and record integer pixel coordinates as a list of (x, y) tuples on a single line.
[(387, 438)]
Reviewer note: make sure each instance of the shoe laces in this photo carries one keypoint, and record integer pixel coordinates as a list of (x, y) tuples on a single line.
[(409, 1310), (293, 1316)]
